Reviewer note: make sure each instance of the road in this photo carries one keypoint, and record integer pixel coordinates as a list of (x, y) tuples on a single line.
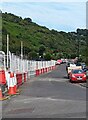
[(50, 95)]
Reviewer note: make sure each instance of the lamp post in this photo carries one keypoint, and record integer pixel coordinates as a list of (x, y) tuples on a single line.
[(7, 49), (21, 56), (21, 50)]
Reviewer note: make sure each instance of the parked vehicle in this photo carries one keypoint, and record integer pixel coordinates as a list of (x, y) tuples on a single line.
[(83, 65), (64, 60), (77, 75), (69, 64), (86, 71), (73, 66), (58, 62)]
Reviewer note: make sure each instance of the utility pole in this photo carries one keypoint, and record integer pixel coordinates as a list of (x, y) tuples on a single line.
[(21, 50), (7, 50), (21, 56)]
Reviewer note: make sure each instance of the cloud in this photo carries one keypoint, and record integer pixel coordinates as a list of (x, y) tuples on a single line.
[(65, 16)]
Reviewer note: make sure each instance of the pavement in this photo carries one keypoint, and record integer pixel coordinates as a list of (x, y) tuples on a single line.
[(49, 95)]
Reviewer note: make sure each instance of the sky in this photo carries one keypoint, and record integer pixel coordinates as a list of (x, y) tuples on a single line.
[(61, 16)]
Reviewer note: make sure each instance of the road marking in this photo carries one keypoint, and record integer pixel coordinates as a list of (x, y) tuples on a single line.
[(38, 99), (52, 79)]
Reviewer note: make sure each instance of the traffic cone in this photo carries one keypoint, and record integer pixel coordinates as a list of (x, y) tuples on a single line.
[(15, 84), (11, 90)]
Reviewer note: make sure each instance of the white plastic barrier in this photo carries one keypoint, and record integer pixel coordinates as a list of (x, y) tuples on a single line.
[(18, 65)]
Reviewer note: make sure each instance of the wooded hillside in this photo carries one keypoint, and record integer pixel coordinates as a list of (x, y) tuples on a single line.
[(39, 40)]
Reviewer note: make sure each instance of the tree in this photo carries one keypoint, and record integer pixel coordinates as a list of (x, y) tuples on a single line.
[(73, 56), (41, 50), (28, 19), (47, 56), (32, 55)]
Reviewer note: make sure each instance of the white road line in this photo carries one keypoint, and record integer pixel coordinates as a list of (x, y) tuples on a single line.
[(29, 100)]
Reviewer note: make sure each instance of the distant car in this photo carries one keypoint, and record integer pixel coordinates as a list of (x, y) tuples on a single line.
[(77, 75), (73, 66), (64, 61), (78, 64), (69, 67), (58, 62), (86, 71), (83, 65), (69, 64)]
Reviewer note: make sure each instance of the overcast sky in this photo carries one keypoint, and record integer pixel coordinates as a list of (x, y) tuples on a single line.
[(61, 16)]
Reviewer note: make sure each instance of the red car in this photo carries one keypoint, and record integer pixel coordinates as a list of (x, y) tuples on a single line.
[(77, 75), (58, 62)]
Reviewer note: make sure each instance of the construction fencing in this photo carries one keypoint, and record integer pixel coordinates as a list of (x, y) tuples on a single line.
[(21, 69), (18, 65)]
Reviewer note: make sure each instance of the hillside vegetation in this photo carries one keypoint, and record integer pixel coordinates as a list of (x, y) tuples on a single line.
[(39, 40)]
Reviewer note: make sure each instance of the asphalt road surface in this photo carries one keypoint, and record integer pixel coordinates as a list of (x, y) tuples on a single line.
[(50, 95)]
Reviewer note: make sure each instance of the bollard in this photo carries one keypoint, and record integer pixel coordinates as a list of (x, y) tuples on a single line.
[(37, 72)]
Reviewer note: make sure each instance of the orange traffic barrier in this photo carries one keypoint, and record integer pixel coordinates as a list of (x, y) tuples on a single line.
[(37, 72), (2, 77), (19, 79), (11, 75), (25, 77)]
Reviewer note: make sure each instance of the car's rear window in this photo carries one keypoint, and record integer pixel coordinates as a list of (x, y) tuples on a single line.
[(78, 64), (77, 71)]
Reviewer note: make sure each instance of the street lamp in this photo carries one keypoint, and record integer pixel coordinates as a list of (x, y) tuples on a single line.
[(21, 50), (7, 50)]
